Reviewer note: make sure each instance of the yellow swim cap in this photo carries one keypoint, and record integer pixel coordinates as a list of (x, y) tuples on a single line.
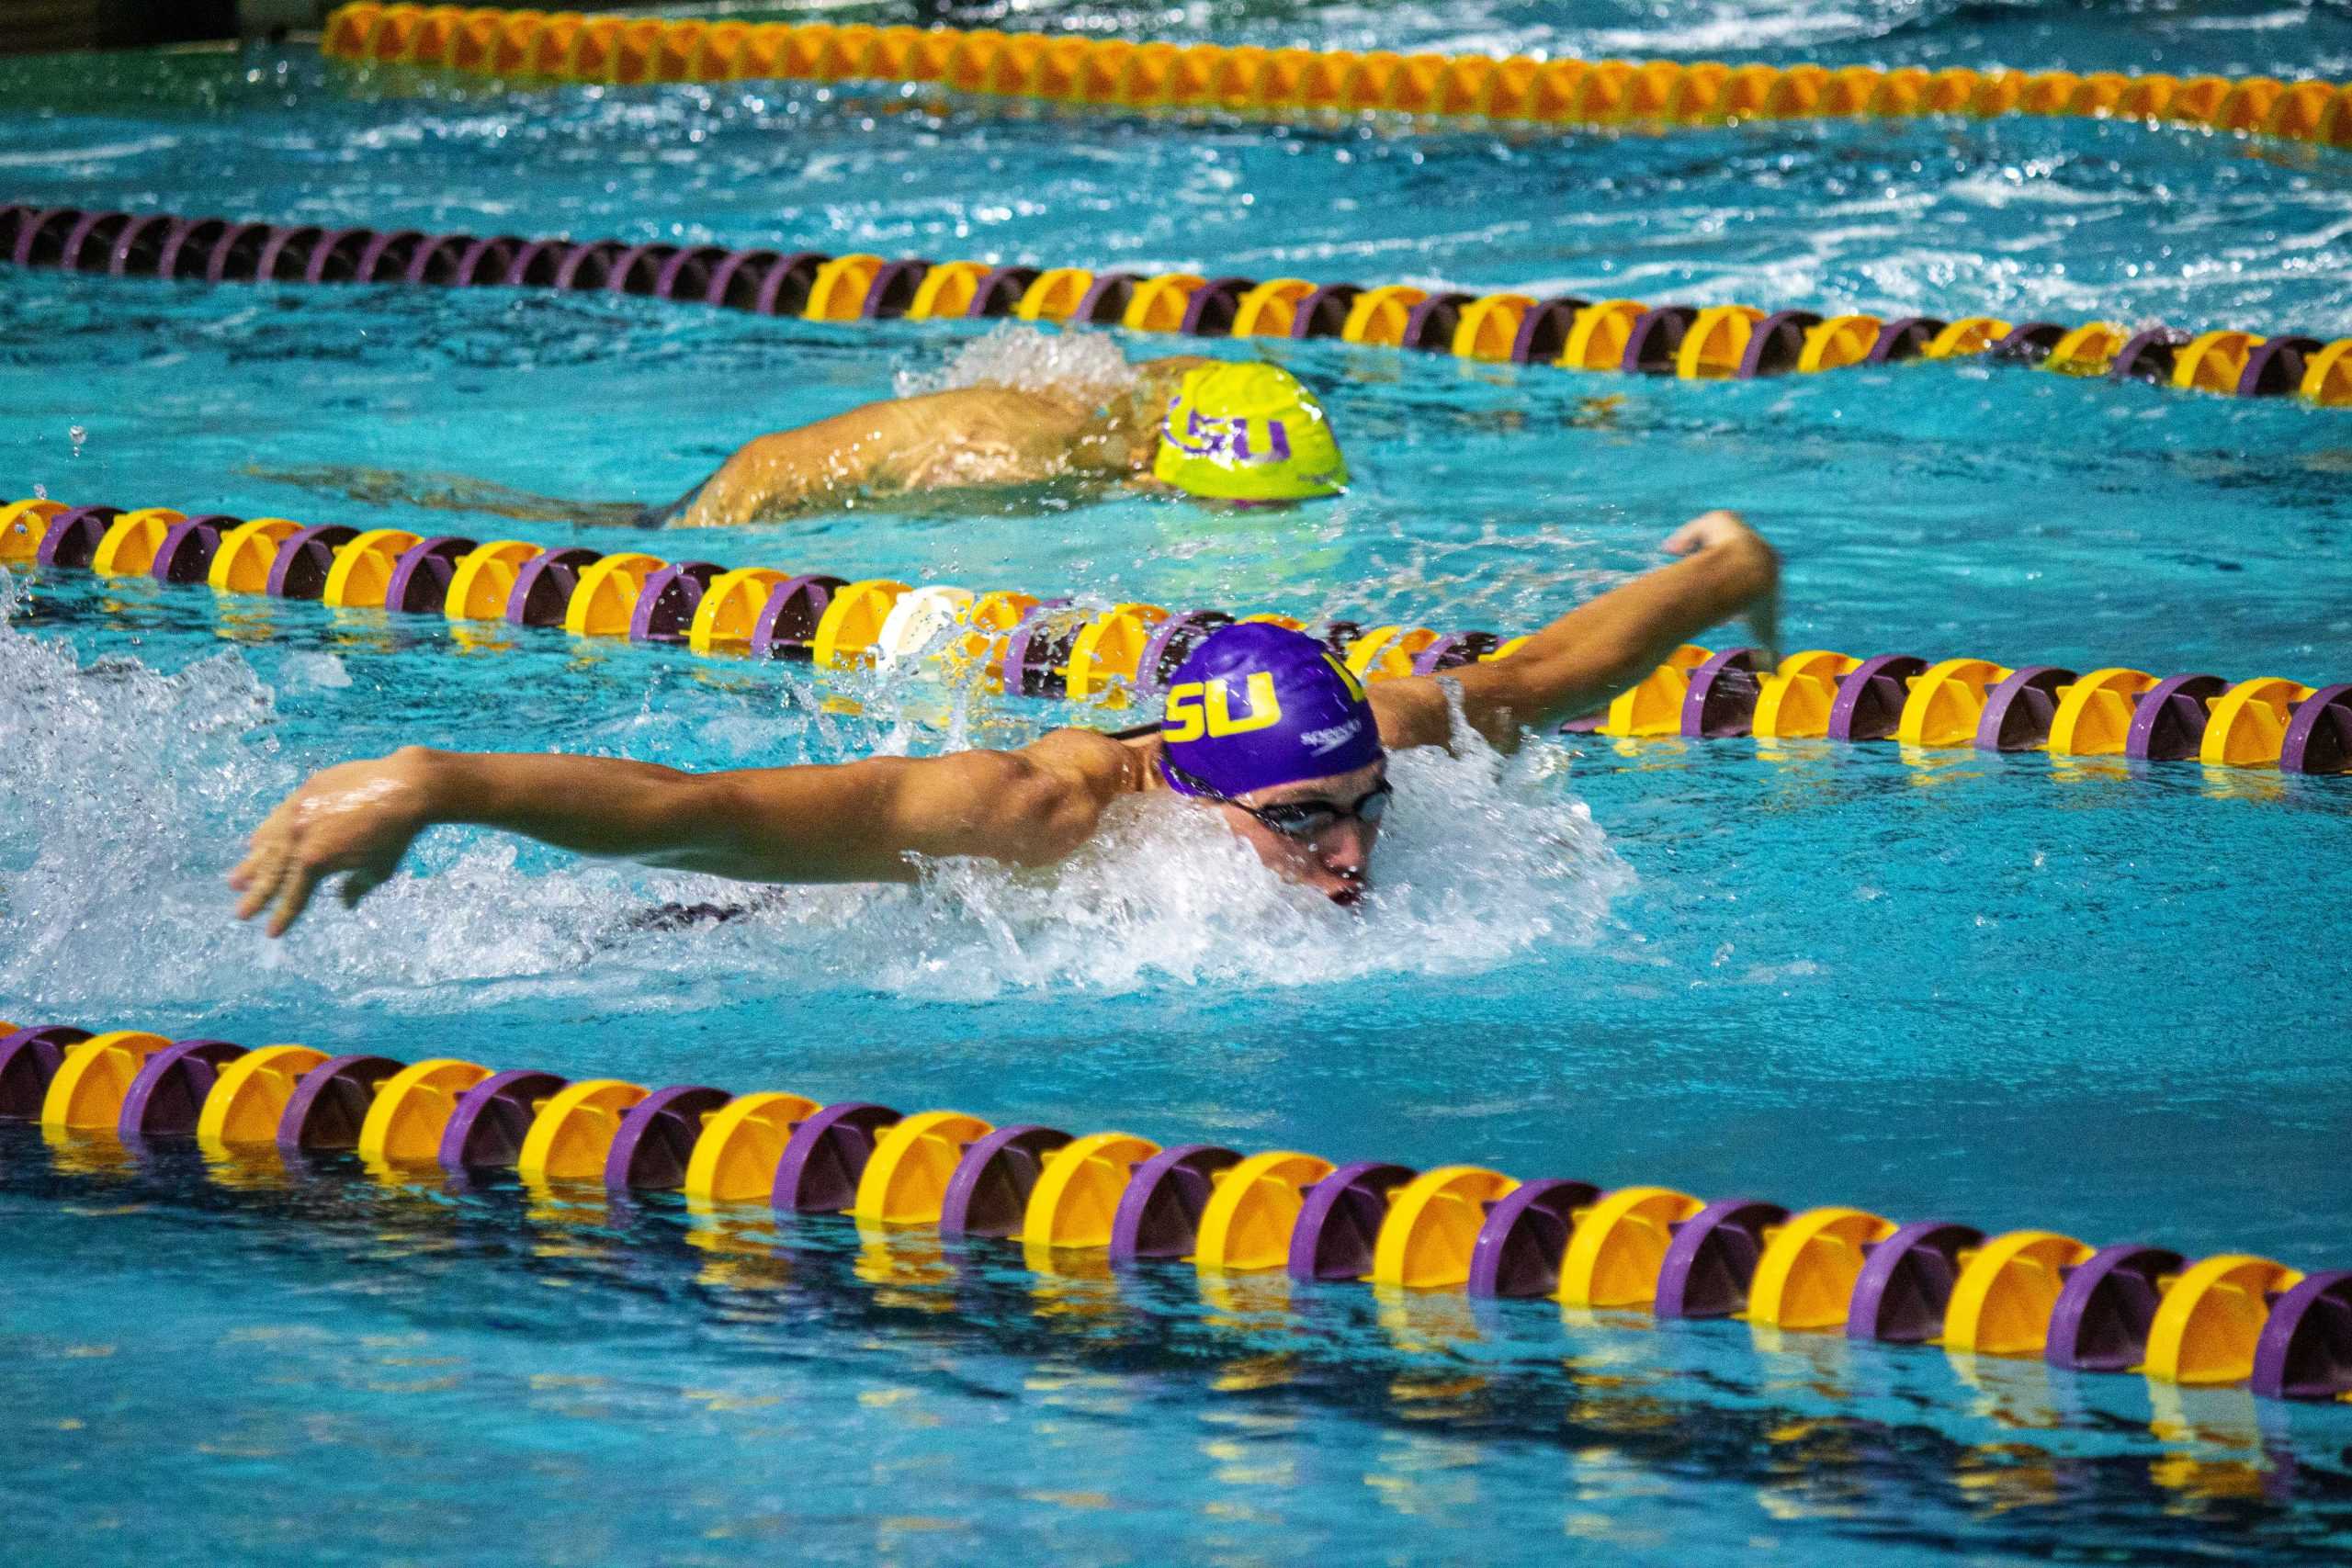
[(1248, 432)]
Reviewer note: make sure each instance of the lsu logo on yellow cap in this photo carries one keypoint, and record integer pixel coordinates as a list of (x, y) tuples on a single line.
[(1244, 431)]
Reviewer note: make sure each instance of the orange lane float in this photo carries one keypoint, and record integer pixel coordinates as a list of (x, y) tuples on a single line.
[(1120, 73)]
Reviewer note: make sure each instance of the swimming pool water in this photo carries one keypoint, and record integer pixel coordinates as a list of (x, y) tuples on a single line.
[(2093, 997)]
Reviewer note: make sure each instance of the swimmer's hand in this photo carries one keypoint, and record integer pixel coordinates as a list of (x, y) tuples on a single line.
[(1708, 530), (358, 818), (1600, 648), (1729, 531)]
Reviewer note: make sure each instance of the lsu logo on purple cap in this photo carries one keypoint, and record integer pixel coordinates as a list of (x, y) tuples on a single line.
[(1258, 705), (1206, 708)]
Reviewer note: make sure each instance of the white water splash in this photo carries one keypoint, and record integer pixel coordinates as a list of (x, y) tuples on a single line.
[(1075, 364), (1477, 861), (1480, 860), (139, 788), (121, 781)]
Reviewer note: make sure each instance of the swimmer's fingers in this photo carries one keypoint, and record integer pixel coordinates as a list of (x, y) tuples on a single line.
[(257, 875), (274, 874), (357, 817), (294, 897), (255, 879), (281, 877), (292, 872)]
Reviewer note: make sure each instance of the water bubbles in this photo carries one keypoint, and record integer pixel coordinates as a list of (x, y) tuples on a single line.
[(322, 671), (1074, 364), (77, 436), (139, 779)]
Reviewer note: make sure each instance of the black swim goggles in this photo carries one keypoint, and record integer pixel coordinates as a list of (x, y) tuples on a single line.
[(1304, 819)]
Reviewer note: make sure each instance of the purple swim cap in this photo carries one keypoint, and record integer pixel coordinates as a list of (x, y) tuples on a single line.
[(1255, 706)]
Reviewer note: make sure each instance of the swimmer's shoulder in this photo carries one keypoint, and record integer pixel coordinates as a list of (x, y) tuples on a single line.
[(1107, 765), (1415, 711)]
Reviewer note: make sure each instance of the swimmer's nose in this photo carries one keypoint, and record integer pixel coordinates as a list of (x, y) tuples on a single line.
[(1346, 851)]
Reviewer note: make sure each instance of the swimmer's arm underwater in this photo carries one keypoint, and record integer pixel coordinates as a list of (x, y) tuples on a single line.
[(845, 822), (1587, 656)]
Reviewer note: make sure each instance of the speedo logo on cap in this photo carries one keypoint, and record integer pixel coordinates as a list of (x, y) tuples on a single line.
[(1323, 742)]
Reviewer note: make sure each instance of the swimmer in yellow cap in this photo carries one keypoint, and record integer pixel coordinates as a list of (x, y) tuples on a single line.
[(1234, 432), (1219, 430), (1259, 725)]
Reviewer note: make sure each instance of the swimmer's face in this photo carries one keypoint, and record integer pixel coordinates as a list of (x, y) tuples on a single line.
[(1334, 861)]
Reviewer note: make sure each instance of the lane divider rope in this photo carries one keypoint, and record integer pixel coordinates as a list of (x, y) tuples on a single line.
[(1115, 655), (565, 46), (1711, 342), (2230, 1319)]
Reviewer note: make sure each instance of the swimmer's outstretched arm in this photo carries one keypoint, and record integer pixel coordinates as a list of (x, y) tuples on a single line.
[(1599, 648), (846, 822), (938, 440)]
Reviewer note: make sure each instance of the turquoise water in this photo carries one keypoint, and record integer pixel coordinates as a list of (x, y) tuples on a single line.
[(2100, 998)]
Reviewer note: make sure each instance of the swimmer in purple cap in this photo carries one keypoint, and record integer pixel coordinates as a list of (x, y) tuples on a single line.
[(1261, 726), (1265, 724)]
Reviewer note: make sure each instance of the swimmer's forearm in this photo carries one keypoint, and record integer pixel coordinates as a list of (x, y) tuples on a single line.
[(1599, 648)]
